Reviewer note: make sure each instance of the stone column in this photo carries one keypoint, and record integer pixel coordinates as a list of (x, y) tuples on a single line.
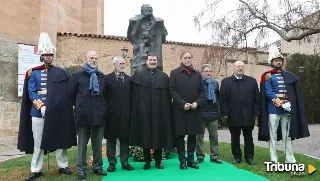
[(92, 16)]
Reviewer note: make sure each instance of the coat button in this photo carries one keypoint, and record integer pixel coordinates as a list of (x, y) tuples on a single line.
[(240, 88), (241, 97)]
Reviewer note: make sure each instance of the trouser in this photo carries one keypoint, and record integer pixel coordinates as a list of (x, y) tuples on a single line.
[(37, 157), (84, 133), (191, 146), (284, 120), (248, 141), (124, 151), (213, 137), (118, 148), (157, 155)]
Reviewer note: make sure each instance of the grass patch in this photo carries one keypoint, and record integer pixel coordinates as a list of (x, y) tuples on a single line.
[(19, 168)]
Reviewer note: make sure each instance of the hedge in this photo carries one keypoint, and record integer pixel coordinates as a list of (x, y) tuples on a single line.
[(308, 82)]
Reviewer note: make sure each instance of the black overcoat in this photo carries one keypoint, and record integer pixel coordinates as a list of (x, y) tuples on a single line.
[(118, 107), (187, 89), (298, 124), (239, 100), (59, 131), (89, 110), (151, 110)]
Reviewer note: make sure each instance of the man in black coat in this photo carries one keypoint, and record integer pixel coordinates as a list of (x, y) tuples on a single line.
[(187, 91), (151, 112), (87, 90), (118, 114), (46, 117), (210, 115), (281, 104), (240, 105)]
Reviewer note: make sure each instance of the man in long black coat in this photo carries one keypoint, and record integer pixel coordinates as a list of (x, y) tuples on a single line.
[(187, 91), (87, 91), (46, 117), (118, 114), (151, 116), (281, 104), (240, 105)]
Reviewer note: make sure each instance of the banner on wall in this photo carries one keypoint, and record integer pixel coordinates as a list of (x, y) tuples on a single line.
[(27, 59)]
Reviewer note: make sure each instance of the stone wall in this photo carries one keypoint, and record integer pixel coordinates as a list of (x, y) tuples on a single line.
[(9, 101)]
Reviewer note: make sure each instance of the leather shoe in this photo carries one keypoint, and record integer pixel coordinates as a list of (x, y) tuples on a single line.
[(66, 171), (146, 166), (199, 161), (250, 161), (216, 161), (82, 175), (99, 172), (128, 167), (237, 160), (193, 165), (183, 166), (111, 168), (34, 175), (159, 166)]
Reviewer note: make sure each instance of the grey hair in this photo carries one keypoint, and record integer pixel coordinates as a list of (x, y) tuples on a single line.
[(206, 65), (117, 59)]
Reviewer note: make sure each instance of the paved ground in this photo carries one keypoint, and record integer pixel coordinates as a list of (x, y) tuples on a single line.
[(309, 146)]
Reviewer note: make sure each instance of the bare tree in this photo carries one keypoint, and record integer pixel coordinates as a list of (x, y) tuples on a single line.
[(291, 19)]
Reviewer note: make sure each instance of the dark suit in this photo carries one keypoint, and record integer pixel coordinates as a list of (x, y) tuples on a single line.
[(118, 116), (240, 101)]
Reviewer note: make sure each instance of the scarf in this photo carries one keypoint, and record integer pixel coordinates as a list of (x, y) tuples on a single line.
[(94, 84), (187, 69), (211, 89)]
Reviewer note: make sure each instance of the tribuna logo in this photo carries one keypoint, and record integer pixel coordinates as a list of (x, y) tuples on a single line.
[(293, 168)]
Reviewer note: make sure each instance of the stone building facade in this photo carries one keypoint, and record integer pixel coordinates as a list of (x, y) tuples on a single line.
[(71, 48)]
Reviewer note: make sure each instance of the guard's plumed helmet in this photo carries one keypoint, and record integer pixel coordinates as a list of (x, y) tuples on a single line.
[(273, 53), (45, 45)]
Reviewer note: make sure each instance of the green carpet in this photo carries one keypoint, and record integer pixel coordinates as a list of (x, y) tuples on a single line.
[(208, 171)]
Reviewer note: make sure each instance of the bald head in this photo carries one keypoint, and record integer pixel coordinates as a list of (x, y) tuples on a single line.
[(238, 68), (92, 58)]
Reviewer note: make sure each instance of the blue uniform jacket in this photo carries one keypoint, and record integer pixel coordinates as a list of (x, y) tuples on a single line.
[(37, 88), (275, 90)]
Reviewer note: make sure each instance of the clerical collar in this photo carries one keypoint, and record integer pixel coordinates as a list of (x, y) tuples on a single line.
[(237, 76)]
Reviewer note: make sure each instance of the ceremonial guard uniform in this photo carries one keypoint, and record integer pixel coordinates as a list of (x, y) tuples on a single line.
[(46, 120), (281, 104)]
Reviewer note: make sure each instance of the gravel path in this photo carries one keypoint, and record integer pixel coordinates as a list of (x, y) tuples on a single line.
[(309, 146)]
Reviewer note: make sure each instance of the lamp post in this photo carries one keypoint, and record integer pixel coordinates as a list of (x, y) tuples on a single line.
[(301, 71), (124, 52)]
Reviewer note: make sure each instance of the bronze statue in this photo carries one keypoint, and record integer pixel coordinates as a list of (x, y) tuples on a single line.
[(146, 33)]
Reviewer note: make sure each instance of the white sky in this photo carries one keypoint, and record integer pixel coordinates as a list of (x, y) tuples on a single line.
[(177, 15)]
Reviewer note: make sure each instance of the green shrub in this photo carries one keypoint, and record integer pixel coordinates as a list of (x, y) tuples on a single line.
[(73, 68), (309, 82), (137, 153)]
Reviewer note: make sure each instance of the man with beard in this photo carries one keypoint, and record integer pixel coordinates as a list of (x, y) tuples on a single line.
[(118, 114), (281, 104), (151, 116), (187, 90), (46, 118)]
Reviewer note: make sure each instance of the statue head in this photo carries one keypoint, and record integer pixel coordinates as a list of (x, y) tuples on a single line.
[(146, 10)]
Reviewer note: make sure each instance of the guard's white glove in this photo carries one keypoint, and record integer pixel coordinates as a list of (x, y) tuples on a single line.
[(287, 106), (43, 111)]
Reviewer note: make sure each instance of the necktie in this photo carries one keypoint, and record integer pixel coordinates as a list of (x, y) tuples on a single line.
[(120, 81)]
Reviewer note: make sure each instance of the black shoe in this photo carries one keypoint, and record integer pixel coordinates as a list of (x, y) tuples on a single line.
[(159, 166), (216, 161), (199, 160), (99, 172), (66, 171), (33, 176), (111, 168), (193, 165), (82, 175), (183, 166), (146, 166), (237, 160), (128, 167), (250, 161)]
